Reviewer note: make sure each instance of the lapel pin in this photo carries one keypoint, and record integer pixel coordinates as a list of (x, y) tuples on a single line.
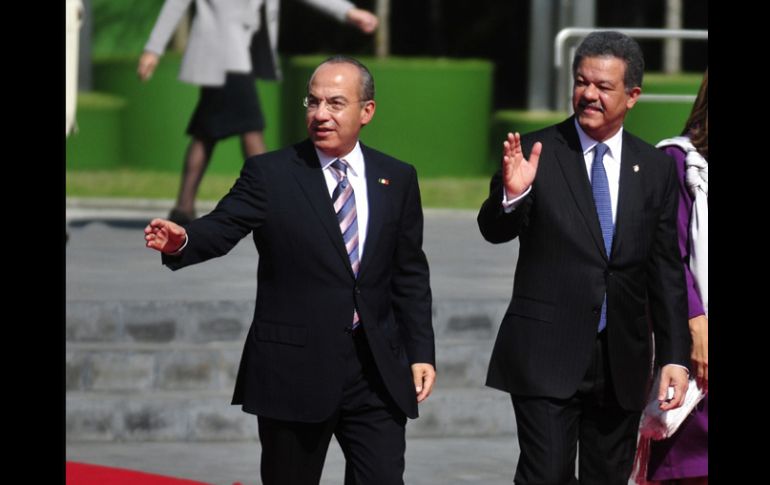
[(384, 181), (636, 168)]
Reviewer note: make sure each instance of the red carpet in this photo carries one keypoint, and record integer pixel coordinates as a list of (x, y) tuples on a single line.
[(84, 474)]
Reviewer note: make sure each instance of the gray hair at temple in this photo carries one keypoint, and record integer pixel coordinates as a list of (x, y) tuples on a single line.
[(366, 90), (610, 43)]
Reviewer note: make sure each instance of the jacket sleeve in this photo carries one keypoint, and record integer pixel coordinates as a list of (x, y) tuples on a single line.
[(496, 225), (170, 15), (336, 9), (666, 289), (239, 212), (694, 303)]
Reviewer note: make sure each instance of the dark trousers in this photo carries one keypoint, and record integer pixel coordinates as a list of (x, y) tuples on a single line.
[(369, 427), (550, 429)]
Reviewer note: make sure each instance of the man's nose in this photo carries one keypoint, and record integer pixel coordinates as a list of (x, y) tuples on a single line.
[(322, 112), (591, 92)]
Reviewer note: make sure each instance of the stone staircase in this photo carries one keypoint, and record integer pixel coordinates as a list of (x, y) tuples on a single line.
[(146, 361), (157, 370)]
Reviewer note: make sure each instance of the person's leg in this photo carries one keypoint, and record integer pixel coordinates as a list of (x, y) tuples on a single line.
[(196, 161), (293, 453), (607, 445), (608, 433), (252, 143), (374, 443), (547, 432), (372, 429)]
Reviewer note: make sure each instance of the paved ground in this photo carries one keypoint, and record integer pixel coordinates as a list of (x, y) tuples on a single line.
[(429, 461), (106, 260)]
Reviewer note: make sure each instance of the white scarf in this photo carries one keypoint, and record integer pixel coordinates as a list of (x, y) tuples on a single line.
[(696, 177)]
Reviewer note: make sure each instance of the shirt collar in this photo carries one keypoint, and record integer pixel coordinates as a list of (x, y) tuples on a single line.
[(615, 142), (355, 160)]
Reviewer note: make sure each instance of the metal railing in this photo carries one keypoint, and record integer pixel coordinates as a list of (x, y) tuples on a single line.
[(563, 59)]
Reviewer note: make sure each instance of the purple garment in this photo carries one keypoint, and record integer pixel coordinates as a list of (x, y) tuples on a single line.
[(685, 454), (694, 305)]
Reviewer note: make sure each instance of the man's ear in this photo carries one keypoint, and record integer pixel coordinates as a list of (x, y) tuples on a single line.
[(367, 112), (633, 97)]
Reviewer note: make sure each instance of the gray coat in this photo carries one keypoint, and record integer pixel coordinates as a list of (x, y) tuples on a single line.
[(221, 34)]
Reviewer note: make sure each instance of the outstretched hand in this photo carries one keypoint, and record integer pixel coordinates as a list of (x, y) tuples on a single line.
[(164, 236), (518, 173), (365, 20)]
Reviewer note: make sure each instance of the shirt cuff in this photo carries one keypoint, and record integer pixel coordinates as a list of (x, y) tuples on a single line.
[(510, 204), (181, 248), (683, 367)]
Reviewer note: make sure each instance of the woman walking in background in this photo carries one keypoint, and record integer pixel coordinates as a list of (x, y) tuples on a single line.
[(231, 43)]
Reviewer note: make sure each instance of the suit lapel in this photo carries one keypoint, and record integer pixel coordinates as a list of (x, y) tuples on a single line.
[(307, 172), (569, 154), (629, 190)]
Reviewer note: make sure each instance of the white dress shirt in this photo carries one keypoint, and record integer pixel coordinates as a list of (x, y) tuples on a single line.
[(611, 161)]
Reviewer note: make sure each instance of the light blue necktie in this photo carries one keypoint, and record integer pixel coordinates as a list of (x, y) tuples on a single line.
[(601, 190)]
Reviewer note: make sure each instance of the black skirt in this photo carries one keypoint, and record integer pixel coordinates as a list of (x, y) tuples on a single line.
[(232, 109)]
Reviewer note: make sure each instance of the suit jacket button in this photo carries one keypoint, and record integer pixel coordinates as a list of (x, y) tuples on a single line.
[(357, 290)]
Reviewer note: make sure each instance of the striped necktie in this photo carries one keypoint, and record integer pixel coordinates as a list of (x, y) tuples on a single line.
[(601, 191), (344, 201)]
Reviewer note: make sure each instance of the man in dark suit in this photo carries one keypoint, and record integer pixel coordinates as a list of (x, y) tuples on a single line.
[(598, 265), (342, 341)]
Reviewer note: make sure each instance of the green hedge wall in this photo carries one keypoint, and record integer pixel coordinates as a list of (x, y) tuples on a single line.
[(157, 112), (654, 121), (432, 113), (96, 142)]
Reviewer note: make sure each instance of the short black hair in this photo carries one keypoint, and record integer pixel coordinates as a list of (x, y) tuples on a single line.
[(611, 43)]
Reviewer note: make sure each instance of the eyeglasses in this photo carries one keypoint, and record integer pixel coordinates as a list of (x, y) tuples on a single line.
[(312, 103)]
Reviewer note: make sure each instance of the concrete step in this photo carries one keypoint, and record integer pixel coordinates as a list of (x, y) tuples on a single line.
[(152, 367), (158, 321), (106, 367), (182, 321), (183, 345), (152, 354), (156, 416), (208, 416)]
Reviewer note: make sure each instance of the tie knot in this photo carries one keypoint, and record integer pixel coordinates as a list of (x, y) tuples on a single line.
[(599, 151), (340, 167)]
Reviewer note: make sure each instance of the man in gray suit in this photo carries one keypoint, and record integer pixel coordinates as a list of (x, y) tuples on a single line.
[(231, 43)]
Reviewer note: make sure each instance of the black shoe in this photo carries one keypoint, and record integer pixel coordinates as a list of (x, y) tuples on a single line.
[(179, 217)]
